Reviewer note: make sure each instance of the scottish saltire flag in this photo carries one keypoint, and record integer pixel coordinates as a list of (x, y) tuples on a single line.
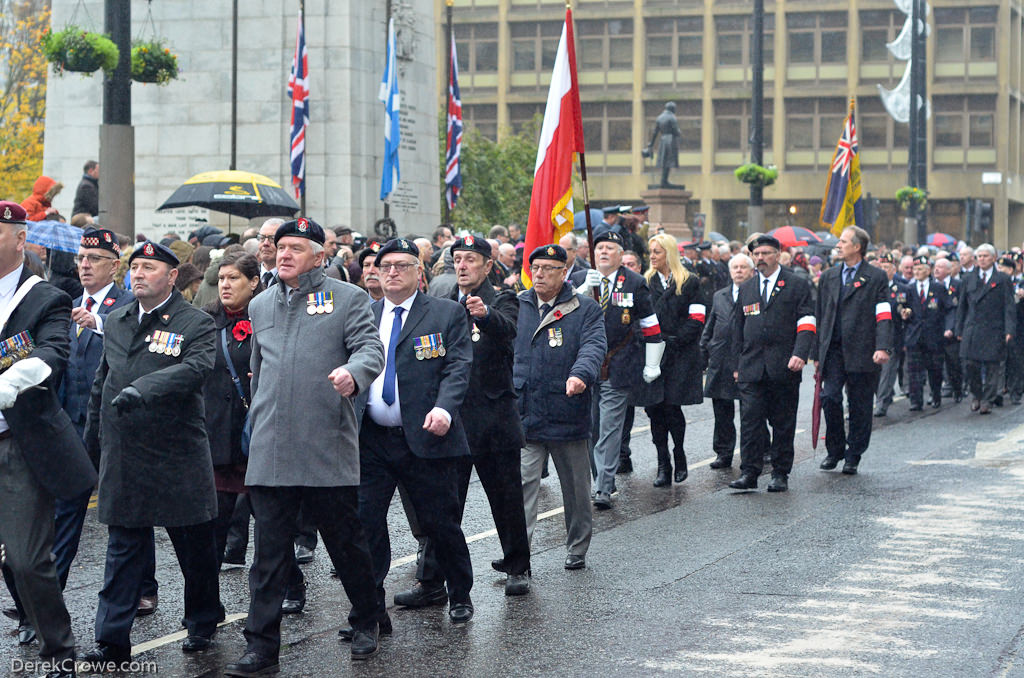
[(389, 95), (453, 167), (841, 206), (298, 90)]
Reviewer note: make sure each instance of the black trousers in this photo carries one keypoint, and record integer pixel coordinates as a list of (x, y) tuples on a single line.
[(667, 419), (860, 391), (627, 433), (433, 489), (724, 440), (984, 379), (775, 403), (922, 361), (129, 554), (954, 370), (334, 512), (237, 540), (1015, 369)]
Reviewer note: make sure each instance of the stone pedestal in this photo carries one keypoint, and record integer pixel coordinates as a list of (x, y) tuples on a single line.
[(668, 209)]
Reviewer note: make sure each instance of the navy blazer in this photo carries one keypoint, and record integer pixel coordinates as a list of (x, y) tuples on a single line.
[(86, 350), (432, 382), (929, 317)]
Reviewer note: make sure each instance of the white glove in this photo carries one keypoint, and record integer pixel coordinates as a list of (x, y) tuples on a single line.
[(20, 377), (592, 280), (653, 354)]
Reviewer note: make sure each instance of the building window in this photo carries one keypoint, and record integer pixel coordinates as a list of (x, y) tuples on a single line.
[(608, 127), (817, 38), (965, 34), (688, 115), (605, 45), (477, 45), (675, 43), (520, 115), (534, 45), (483, 118), (964, 122), (880, 136), (733, 36), (733, 125), (814, 124), (879, 27)]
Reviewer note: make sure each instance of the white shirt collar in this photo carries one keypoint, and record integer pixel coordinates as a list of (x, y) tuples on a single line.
[(99, 296), (407, 304), (9, 282), (773, 277)]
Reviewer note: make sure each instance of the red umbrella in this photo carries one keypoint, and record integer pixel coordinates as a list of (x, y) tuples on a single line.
[(816, 409), (940, 240), (788, 236)]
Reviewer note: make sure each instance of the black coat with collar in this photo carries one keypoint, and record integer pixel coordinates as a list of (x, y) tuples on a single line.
[(489, 410), (86, 350), (432, 382), (225, 412), (716, 340), (899, 293), (929, 317), (766, 336), (41, 428), (866, 324), (985, 316), (681, 318)]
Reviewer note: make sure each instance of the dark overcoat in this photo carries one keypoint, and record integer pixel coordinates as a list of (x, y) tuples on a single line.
[(716, 340), (985, 316), (681, 317), (866, 317), (225, 411)]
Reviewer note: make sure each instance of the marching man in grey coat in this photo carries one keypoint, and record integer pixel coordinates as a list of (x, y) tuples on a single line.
[(315, 347)]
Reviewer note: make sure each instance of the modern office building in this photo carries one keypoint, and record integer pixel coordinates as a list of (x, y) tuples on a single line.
[(635, 55)]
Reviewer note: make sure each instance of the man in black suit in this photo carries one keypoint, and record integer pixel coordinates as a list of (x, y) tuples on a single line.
[(41, 455), (943, 274), (854, 341), (985, 323), (772, 333), (412, 431), (928, 316), (898, 293)]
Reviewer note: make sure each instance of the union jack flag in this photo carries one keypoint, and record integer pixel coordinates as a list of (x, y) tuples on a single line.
[(841, 206), (453, 166), (298, 91)]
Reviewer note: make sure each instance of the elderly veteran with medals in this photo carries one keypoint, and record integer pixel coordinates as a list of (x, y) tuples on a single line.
[(146, 426), (314, 348), (41, 455)]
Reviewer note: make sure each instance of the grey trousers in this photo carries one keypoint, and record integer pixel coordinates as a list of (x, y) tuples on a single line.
[(985, 378), (610, 406), (26, 529), (573, 469), (887, 383)]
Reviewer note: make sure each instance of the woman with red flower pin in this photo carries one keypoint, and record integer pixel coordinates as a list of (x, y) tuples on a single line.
[(227, 400)]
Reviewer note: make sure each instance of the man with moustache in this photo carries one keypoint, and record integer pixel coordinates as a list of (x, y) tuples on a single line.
[(370, 278)]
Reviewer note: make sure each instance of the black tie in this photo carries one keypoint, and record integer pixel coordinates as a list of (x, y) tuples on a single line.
[(544, 310), (268, 278), (847, 276), (764, 292)]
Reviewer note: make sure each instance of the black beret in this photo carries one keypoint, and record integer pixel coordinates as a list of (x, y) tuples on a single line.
[(1008, 261), (471, 243), (922, 260), (301, 228), (156, 251), (764, 239), (403, 245), (12, 213), (953, 256), (100, 238), (886, 258), (609, 236), (704, 245), (554, 252), (688, 245), (370, 250)]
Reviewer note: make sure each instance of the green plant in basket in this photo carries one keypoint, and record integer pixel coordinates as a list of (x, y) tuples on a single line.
[(79, 51), (752, 173), (911, 198), (153, 62)]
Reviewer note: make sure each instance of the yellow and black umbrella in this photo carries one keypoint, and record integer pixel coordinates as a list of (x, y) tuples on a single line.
[(243, 194)]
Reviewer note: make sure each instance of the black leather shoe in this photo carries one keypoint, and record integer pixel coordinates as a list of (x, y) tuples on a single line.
[(574, 562), (57, 673), (959, 397), (880, 412), (915, 408), (234, 558), (106, 658), (829, 463), (664, 477), (746, 481), (251, 665), (422, 595), (293, 604), (779, 483), (998, 402), (26, 634), (498, 564), (384, 628), (721, 462), (460, 613), (365, 644), (681, 474), (935, 403), (303, 555), (147, 606), (849, 468), (625, 465), (196, 644), (517, 584), (11, 613)]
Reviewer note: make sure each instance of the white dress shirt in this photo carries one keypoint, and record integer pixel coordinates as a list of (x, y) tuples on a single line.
[(771, 282), (380, 411), (97, 299), (8, 286)]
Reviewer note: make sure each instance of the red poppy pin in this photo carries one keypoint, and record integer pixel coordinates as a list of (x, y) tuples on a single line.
[(621, 278), (241, 330), (558, 315), (992, 284), (781, 283), (108, 302), (856, 284)]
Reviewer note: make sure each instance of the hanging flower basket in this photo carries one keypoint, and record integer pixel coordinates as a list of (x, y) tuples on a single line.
[(911, 199), (152, 62), (79, 51), (757, 175)]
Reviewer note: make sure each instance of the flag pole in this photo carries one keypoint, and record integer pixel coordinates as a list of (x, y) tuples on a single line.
[(387, 35), (448, 108), (302, 198)]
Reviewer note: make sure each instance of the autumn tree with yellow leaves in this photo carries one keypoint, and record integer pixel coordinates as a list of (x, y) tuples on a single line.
[(22, 95)]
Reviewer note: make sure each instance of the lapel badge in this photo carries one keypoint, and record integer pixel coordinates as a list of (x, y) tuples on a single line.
[(475, 334)]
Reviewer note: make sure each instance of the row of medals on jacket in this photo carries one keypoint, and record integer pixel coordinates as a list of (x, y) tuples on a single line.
[(318, 303)]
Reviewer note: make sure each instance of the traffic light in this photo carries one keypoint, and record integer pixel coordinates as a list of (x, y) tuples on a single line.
[(984, 216), (871, 213)]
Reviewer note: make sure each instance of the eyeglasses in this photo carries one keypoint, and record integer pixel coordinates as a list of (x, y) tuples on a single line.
[(260, 237), (401, 268), (93, 258), (545, 269)]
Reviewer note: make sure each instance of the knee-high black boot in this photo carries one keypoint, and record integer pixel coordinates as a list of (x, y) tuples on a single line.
[(664, 477)]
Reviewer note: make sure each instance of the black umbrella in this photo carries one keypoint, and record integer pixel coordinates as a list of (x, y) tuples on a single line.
[(243, 194)]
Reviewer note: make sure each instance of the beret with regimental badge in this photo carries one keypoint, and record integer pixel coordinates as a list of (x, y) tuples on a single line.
[(12, 213), (155, 251), (922, 260), (553, 252), (609, 236), (371, 250), (301, 228), (1008, 261), (100, 238), (471, 243), (764, 239), (401, 245)]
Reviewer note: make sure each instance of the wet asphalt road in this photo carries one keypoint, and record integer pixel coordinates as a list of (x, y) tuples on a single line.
[(915, 567)]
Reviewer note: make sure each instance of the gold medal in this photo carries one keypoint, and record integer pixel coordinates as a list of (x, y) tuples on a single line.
[(434, 353)]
